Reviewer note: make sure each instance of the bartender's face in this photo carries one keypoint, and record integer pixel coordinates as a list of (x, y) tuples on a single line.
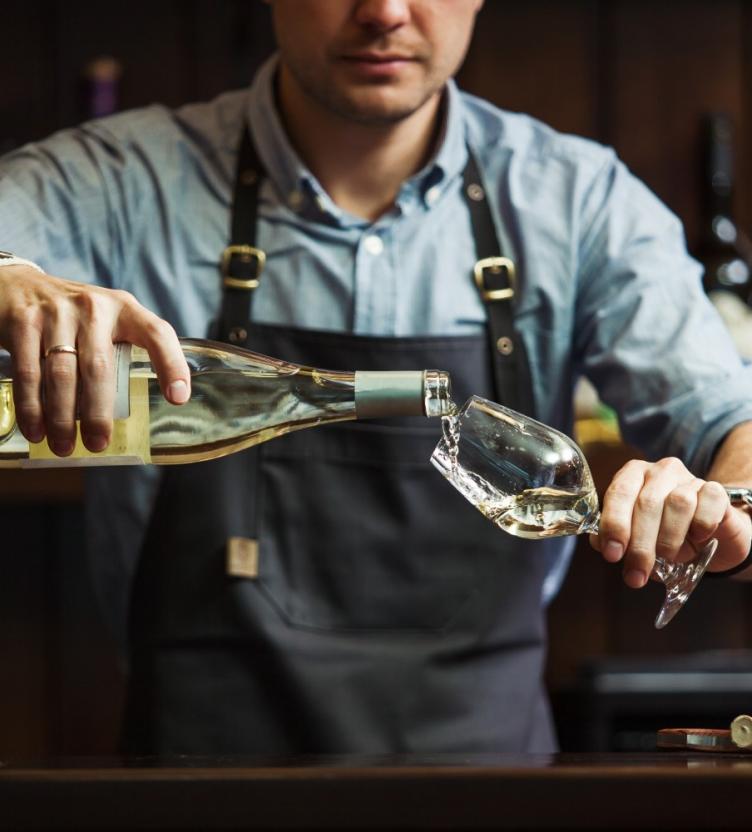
[(372, 61)]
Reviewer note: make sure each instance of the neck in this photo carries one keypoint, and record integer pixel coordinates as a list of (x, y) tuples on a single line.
[(361, 166)]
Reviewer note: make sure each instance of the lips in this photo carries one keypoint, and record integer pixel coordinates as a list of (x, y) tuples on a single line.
[(378, 57)]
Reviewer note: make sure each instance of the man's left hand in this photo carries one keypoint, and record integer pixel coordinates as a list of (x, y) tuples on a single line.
[(661, 509)]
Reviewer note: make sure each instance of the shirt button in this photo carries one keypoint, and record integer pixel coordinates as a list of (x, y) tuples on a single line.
[(432, 194), (373, 244)]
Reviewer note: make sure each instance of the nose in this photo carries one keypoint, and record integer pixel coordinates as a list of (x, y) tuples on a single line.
[(383, 15)]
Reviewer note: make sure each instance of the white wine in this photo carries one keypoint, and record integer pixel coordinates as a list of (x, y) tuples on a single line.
[(238, 399), (492, 469), (543, 512)]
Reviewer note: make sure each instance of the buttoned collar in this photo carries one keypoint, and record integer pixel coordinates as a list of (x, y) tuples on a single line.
[(299, 189)]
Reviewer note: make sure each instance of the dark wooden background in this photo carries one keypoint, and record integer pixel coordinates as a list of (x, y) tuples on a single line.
[(636, 74)]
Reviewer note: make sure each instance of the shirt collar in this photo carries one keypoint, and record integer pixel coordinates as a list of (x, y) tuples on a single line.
[(284, 167), (298, 188), (432, 181)]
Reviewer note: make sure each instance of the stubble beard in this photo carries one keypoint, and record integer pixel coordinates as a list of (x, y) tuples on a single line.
[(347, 108)]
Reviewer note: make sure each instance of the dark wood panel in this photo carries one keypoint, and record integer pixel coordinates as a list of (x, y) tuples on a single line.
[(152, 41), (62, 683), (670, 62), (26, 69), (86, 671), (743, 197), (24, 703), (540, 58), (231, 39)]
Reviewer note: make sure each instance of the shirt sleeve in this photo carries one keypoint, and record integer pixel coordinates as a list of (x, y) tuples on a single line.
[(64, 203), (646, 334)]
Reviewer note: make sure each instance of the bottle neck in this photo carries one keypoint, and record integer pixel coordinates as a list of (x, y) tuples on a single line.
[(437, 393), (389, 394)]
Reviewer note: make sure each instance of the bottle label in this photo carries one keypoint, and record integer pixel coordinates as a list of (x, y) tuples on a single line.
[(129, 444)]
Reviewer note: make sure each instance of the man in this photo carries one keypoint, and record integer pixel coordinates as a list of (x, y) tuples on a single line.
[(384, 613)]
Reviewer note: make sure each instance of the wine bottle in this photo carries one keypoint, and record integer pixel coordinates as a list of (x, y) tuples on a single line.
[(239, 398), (723, 247), (100, 87)]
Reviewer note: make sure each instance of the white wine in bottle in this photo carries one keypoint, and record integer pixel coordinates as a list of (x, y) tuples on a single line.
[(239, 398)]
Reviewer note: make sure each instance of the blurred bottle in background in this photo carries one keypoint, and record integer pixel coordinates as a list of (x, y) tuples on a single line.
[(724, 249), (100, 87)]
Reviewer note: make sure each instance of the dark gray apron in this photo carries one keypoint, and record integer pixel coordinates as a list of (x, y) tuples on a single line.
[(386, 615)]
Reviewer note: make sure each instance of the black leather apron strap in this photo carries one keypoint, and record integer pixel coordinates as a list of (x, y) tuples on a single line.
[(495, 275), (496, 279), (242, 262)]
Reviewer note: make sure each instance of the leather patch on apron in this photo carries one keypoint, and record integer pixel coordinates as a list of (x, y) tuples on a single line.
[(242, 557)]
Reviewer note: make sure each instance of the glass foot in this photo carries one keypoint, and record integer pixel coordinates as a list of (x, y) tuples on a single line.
[(680, 579)]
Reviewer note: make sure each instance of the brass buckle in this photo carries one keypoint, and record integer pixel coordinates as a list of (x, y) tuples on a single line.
[(495, 265), (247, 254)]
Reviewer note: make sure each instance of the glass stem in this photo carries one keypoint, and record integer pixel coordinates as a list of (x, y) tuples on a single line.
[(590, 525)]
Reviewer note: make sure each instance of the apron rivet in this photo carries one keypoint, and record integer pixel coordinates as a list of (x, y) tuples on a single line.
[(248, 177), (475, 192), (504, 345), (237, 335)]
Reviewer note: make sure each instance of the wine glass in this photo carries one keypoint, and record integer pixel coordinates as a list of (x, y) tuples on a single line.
[(533, 482)]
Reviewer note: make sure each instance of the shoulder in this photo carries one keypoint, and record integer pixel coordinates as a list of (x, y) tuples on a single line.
[(147, 141), (198, 133), (552, 177), (510, 143)]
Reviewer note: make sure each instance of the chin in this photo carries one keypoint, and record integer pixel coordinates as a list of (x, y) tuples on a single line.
[(378, 110)]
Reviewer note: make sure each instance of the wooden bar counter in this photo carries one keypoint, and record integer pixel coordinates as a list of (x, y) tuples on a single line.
[(662, 790)]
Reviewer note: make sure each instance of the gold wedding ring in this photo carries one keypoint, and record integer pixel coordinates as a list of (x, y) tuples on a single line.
[(66, 348)]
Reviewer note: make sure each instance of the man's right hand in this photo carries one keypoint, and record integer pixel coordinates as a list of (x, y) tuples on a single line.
[(37, 312)]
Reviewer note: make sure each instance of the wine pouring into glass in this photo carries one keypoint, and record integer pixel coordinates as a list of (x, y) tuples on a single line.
[(534, 482)]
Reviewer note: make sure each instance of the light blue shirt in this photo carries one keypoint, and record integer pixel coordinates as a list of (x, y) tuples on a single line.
[(141, 201)]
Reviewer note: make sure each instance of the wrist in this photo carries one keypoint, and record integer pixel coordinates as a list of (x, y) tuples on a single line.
[(735, 570), (741, 499), (8, 259)]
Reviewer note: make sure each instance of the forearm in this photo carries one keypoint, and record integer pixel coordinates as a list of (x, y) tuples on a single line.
[(732, 464)]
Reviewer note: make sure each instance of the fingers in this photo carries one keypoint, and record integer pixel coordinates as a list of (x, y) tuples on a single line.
[(712, 507), (97, 373), (680, 514), (27, 388), (615, 526), (657, 510), (60, 382), (139, 326)]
